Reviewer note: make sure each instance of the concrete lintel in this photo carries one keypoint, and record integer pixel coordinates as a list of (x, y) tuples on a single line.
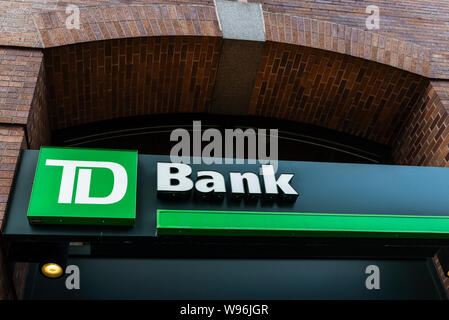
[(241, 20)]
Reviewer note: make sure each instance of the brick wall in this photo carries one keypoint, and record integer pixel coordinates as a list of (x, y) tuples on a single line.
[(145, 76), (294, 83), (22, 109), (335, 91), (424, 138), (19, 70), (406, 55), (127, 21), (12, 140), (419, 22), (36, 23), (38, 126), (406, 27)]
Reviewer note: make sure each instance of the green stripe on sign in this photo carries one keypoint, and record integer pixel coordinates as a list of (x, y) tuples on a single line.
[(246, 223)]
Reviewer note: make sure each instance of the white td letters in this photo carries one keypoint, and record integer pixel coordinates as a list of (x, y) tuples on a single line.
[(84, 181)]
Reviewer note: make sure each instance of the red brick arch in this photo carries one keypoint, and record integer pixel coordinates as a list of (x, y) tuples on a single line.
[(103, 21), (304, 31), (127, 21)]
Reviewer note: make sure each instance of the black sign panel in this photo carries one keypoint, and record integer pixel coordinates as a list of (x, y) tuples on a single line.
[(322, 187)]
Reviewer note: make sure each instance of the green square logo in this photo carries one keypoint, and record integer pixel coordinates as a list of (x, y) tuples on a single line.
[(84, 186)]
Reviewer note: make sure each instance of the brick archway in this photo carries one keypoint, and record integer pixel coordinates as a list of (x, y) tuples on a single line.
[(337, 37), (120, 21), (371, 100), (104, 21), (95, 81)]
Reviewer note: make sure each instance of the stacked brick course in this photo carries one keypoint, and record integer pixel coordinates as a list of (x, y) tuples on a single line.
[(410, 36), (419, 22), (128, 77), (356, 42), (424, 139), (19, 70), (334, 91), (101, 23), (12, 141)]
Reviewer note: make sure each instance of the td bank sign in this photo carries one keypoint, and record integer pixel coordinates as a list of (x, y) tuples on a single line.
[(99, 187), (84, 186)]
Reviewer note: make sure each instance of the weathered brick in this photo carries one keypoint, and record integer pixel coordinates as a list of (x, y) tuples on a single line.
[(415, 129), (173, 95), (327, 108)]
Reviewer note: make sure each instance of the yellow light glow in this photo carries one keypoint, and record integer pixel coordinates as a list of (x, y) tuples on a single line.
[(52, 270)]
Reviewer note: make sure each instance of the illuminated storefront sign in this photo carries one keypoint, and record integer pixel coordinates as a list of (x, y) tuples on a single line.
[(84, 186), (156, 197)]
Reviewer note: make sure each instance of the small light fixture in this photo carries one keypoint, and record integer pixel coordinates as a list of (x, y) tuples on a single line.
[(51, 270)]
